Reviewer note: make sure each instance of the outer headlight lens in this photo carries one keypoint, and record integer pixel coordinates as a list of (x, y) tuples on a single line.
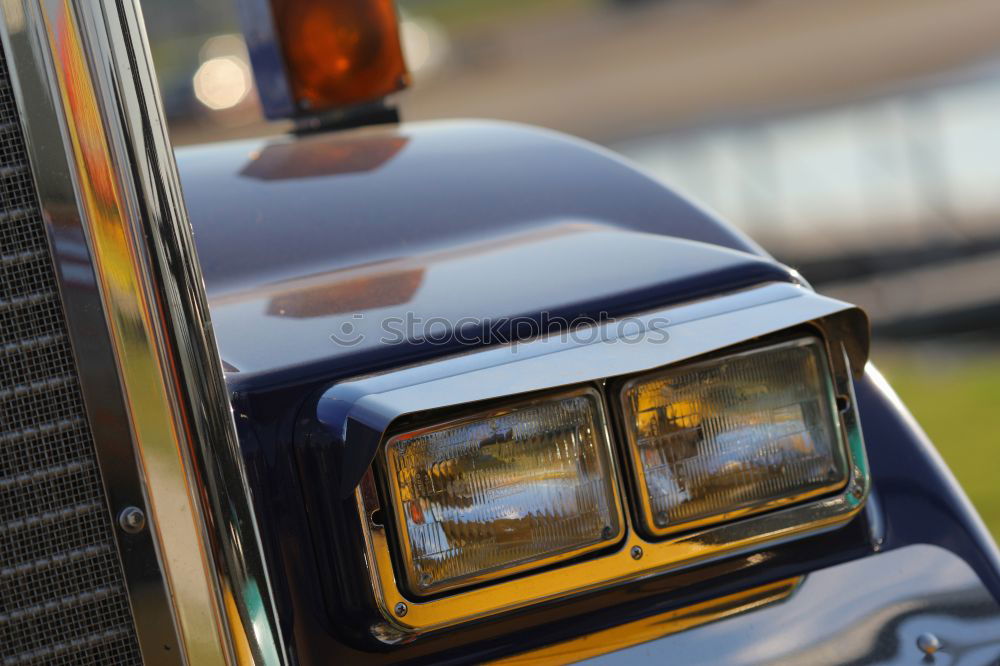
[(503, 491), (734, 435)]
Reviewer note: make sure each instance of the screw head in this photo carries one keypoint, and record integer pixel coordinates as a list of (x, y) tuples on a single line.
[(636, 552), (132, 520), (607, 532), (928, 643), (400, 609)]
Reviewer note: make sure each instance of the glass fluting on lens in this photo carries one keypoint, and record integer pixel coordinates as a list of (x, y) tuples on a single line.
[(734, 435), (486, 496)]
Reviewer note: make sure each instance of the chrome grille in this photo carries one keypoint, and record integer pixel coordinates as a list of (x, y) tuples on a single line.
[(62, 593)]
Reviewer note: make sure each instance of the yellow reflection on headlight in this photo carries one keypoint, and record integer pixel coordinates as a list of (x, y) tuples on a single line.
[(503, 491), (734, 435)]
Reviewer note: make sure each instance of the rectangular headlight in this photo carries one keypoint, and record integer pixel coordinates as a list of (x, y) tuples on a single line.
[(503, 491), (730, 436)]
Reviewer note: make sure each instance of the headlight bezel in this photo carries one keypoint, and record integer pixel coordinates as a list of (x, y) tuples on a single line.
[(361, 412)]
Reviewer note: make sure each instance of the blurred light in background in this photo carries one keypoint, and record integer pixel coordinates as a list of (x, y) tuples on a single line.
[(224, 78), (222, 83)]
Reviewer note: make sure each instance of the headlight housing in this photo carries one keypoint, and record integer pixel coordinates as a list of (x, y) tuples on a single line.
[(514, 488), (714, 440), (344, 437)]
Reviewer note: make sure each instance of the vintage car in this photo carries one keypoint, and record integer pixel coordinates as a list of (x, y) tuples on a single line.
[(446, 392)]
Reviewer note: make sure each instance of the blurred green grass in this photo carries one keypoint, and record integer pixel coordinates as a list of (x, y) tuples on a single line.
[(454, 14), (954, 393)]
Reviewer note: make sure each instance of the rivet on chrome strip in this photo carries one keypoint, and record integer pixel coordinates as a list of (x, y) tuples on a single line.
[(636, 552), (132, 519), (400, 609), (928, 643)]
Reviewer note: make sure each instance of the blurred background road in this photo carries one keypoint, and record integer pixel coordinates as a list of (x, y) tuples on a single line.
[(857, 140)]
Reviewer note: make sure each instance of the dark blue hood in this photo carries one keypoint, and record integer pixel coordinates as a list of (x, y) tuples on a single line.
[(319, 251)]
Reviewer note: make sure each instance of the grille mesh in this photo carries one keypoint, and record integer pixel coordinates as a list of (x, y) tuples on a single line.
[(62, 595)]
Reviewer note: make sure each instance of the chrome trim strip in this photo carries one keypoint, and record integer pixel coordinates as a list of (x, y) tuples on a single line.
[(99, 380), (137, 313), (358, 414)]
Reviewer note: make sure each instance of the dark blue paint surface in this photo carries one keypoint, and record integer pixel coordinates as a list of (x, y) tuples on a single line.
[(920, 498), (296, 237), (277, 209), (335, 234)]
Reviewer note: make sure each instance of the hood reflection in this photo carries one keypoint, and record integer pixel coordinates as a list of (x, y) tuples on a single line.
[(350, 295), (312, 159)]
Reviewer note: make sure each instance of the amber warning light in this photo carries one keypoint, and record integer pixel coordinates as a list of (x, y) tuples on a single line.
[(332, 58)]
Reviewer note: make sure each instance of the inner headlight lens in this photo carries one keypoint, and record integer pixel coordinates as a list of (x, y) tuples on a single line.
[(504, 491), (734, 435)]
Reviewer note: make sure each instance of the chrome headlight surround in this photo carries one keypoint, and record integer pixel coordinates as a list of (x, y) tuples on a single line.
[(357, 417)]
